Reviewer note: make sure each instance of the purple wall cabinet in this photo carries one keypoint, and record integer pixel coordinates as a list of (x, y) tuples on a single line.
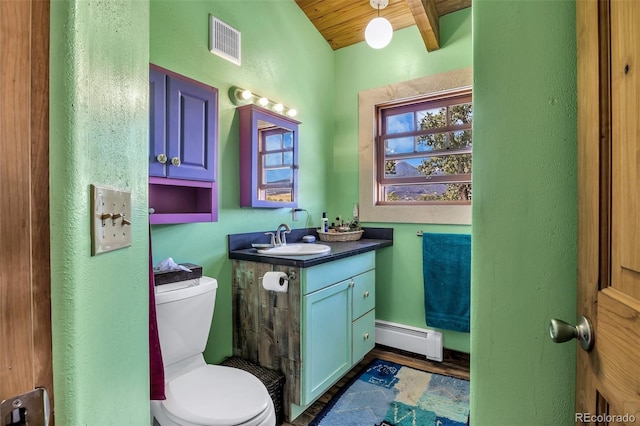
[(268, 158), (183, 127), (183, 146)]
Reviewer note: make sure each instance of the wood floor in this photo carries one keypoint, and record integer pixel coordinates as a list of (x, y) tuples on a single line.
[(455, 364)]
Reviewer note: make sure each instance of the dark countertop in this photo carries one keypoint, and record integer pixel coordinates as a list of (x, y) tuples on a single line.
[(372, 239)]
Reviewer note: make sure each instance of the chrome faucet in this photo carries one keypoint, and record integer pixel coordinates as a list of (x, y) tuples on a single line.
[(281, 234)]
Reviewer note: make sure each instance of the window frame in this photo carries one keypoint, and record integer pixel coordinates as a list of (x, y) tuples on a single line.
[(438, 84), (440, 100)]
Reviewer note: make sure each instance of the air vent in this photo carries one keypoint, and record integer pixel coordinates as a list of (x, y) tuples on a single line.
[(224, 40)]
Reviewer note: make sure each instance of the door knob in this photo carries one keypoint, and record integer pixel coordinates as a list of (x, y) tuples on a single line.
[(561, 331), (175, 161), (162, 158)]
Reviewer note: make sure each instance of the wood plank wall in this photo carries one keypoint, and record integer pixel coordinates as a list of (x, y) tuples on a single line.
[(266, 324)]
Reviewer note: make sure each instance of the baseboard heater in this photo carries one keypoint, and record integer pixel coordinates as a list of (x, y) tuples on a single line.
[(413, 339)]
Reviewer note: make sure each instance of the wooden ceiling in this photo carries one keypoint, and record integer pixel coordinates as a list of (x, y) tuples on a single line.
[(342, 22)]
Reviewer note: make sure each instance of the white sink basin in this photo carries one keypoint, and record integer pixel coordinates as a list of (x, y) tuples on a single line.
[(302, 249)]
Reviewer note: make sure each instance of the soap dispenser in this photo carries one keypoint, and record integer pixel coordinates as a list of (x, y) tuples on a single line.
[(325, 222)]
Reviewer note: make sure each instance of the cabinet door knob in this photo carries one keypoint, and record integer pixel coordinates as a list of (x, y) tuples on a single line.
[(162, 158), (366, 336), (366, 294), (175, 161)]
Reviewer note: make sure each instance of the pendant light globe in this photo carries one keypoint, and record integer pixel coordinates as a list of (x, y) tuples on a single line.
[(379, 31)]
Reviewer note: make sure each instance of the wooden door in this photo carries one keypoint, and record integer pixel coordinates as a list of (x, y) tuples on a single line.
[(25, 307), (608, 377)]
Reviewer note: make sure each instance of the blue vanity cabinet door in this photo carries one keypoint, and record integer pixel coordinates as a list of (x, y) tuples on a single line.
[(191, 130), (326, 338)]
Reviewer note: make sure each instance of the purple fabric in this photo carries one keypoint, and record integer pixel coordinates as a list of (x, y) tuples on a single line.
[(156, 367)]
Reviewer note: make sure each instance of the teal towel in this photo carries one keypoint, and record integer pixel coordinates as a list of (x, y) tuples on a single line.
[(446, 267)]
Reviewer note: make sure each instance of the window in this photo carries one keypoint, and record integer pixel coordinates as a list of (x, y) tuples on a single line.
[(441, 113), (424, 150)]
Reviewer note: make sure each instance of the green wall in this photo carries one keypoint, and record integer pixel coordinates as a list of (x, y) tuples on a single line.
[(283, 58), (399, 283), (524, 211), (99, 121)]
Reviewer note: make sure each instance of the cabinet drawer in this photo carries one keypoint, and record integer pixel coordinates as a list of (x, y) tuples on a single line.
[(364, 293), (364, 335), (321, 276)]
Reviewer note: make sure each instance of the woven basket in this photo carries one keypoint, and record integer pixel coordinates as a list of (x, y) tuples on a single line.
[(273, 381), (334, 235)]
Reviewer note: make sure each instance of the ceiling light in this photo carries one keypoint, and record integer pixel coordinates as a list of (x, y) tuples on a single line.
[(379, 31)]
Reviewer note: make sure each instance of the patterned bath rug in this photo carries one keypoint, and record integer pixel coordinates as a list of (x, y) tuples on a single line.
[(391, 394)]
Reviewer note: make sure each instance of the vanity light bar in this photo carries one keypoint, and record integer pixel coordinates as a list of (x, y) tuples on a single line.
[(245, 95)]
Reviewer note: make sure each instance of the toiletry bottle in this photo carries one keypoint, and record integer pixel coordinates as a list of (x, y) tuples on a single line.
[(325, 222), (355, 222)]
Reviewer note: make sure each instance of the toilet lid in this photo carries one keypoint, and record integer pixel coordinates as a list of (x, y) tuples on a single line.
[(216, 395)]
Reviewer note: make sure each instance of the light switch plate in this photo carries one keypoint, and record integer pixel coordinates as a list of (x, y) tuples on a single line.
[(110, 219)]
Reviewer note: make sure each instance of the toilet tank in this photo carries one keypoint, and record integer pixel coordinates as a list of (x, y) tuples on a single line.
[(184, 311)]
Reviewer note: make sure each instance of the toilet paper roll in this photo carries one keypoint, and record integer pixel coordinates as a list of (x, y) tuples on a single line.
[(275, 281)]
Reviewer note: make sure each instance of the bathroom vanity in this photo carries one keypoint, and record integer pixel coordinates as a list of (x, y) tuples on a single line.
[(321, 327)]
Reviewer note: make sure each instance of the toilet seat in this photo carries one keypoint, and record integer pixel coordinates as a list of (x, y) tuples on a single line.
[(217, 395)]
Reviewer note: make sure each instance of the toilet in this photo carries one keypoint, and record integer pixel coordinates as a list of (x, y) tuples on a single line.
[(200, 394)]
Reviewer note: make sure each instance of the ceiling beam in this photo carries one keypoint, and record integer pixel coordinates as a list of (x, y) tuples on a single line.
[(426, 17)]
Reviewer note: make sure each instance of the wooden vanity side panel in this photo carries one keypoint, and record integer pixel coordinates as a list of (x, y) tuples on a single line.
[(266, 324), (245, 320)]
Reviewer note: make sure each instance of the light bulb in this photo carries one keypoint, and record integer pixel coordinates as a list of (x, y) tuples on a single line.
[(246, 94), (378, 33), (263, 101), (292, 112), (278, 107)]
